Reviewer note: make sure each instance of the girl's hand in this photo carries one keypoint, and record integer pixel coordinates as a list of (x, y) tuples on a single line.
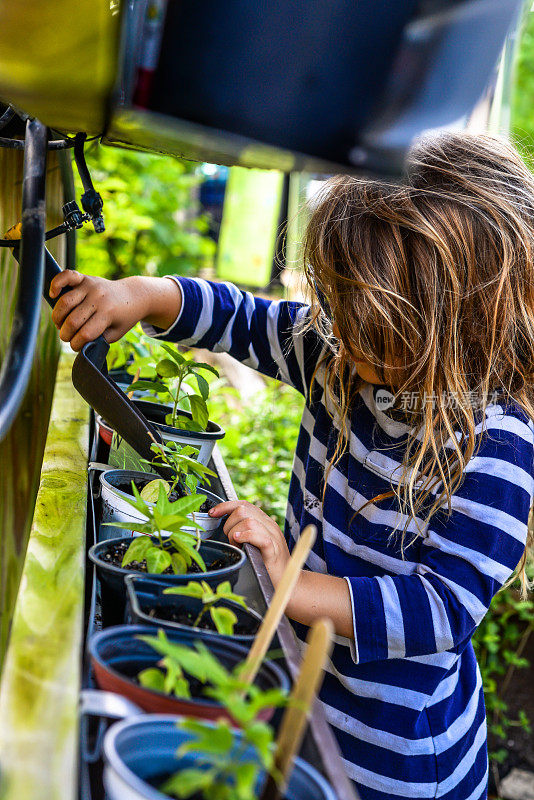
[(248, 523), (95, 306)]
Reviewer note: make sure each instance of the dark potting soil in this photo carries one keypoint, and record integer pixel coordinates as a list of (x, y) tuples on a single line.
[(126, 487), (115, 554), (183, 616)]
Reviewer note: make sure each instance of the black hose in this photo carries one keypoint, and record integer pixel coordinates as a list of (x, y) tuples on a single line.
[(17, 364)]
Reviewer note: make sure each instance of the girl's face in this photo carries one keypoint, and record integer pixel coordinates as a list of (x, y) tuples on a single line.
[(362, 366)]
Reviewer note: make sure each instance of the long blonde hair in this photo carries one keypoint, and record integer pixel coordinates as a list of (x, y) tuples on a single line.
[(435, 276)]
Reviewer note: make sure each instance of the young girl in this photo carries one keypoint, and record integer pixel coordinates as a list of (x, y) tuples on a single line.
[(415, 453)]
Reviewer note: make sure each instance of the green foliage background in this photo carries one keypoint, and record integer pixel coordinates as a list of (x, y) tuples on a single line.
[(152, 224)]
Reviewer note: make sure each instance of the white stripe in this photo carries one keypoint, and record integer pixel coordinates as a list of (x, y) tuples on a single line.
[(467, 599), (462, 724), (273, 313), (387, 693), (445, 687), (487, 566), (389, 785), (376, 736), (205, 319), (393, 617), (465, 764), (491, 516), (298, 341), (353, 643), (500, 468), (444, 661), (440, 621)]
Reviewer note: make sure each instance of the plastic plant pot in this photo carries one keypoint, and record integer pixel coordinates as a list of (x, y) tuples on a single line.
[(140, 753), (116, 508), (118, 656), (111, 577), (145, 596), (123, 456), (105, 431)]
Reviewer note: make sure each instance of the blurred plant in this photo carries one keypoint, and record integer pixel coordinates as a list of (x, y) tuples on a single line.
[(152, 224), (260, 441), (221, 772), (499, 643)]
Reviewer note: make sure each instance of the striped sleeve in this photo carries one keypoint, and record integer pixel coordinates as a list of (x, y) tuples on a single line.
[(263, 334), (465, 558)]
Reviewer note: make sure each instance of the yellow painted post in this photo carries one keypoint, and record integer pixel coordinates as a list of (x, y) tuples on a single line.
[(41, 677)]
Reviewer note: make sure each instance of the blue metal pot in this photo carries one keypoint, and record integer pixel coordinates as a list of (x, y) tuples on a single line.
[(143, 750)]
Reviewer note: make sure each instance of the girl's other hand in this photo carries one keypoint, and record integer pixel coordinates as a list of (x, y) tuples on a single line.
[(248, 523)]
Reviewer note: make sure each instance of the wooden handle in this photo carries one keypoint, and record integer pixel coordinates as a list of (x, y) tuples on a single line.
[(306, 687), (278, 604)]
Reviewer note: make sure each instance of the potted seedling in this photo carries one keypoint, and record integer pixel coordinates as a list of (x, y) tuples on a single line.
[(215, 761), (180, 413), (166, 547), (196, 607), (178, 672), (186, 475)]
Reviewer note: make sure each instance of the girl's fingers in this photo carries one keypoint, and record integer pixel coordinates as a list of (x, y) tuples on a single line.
[(256, 535), (66, 304), (239, 510), (77, 319), (68, 277), (225, 508), (90, 331)]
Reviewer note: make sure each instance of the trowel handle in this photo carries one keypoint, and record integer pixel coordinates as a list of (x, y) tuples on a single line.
[(99, 347), (51, 269)]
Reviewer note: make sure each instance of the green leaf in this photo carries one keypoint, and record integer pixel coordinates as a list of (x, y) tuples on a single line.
[(157, 560), (174, 354), (157, 387), (192, 589), (188, 782), (167, 368), (194, 554), (152, 678), (137, 550), (199, 410), (224, 620), (208, 367), (246, 775), (179, 564), (203, 386), (217, 739), (150, 492)]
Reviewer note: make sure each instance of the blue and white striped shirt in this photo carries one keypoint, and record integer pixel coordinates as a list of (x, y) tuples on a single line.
[(405, 697)]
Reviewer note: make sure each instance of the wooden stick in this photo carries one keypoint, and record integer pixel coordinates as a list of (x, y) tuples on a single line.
[(136, 378), (294, 721), (278, 604)]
